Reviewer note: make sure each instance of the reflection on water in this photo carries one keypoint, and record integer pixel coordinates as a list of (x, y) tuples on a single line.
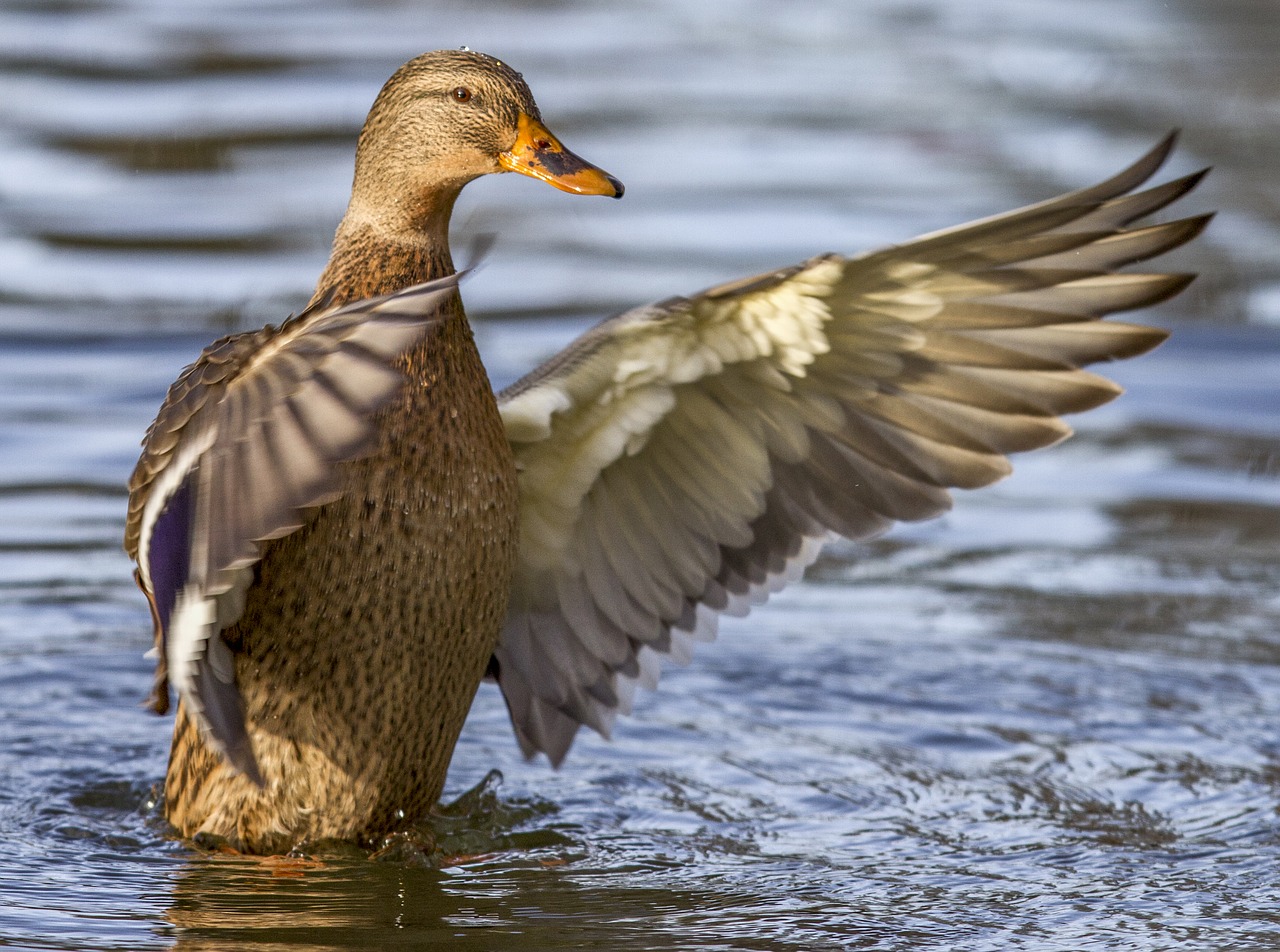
[(1045, 721)]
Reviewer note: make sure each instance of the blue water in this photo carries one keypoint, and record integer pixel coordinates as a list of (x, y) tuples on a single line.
[(1045, 721)]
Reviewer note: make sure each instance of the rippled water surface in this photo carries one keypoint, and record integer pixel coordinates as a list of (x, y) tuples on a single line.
[(1046, 721)]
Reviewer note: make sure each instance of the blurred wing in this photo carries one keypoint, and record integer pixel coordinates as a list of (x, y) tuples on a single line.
[(688, 458), (248, 438)]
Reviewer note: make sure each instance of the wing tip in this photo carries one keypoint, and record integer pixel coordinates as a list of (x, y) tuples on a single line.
[(1164, 147), (1152, 160)]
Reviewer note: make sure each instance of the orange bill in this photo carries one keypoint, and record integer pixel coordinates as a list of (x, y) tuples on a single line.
[(539, 154)]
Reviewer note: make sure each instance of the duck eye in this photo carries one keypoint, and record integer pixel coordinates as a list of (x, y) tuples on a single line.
[(462, 94)]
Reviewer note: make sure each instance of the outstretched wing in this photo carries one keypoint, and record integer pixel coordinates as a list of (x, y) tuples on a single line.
[(688, 458), (249, 437)]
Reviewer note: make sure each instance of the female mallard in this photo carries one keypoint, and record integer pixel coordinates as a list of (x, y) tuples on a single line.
[(341, 531)]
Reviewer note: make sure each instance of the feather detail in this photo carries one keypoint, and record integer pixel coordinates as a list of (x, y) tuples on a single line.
[(691, 457), (250, 437)]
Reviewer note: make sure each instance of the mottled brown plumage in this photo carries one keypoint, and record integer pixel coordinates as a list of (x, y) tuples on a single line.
[(354, 700)]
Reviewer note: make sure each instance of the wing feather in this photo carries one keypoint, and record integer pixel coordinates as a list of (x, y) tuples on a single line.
[(688, 458), (249, 437)]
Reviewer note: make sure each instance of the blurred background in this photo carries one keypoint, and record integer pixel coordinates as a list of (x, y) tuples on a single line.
[(1045, 721)]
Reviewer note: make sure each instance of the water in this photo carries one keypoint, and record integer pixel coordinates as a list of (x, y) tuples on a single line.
[(1046, 721)]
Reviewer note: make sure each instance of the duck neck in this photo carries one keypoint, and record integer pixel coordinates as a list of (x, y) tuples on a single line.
[(381, 253), (380, 250)]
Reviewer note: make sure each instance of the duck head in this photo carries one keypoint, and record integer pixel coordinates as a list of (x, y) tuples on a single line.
[(446, 118)]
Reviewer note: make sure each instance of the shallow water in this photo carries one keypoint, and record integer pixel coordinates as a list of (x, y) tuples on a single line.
[(1046, 721)]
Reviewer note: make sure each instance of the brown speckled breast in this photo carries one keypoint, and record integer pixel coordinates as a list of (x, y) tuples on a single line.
[(367, 632)]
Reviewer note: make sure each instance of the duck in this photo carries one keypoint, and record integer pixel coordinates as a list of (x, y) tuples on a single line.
[(342, 530)]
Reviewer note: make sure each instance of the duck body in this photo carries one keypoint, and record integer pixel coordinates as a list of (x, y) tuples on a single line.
[(341, 529), (368, 630)]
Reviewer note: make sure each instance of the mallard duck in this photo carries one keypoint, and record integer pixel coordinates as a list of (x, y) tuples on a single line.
[(342, 530)]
